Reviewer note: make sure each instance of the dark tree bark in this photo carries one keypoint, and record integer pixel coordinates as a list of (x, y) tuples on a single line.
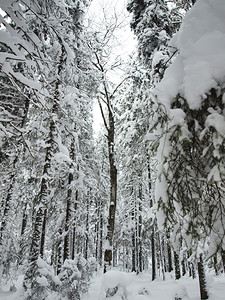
[(87, 232), (110, 127), (73, 243), (140, 252), (97, 229), (133, 240), (177, 266), (202, 279), (169, 253), (38, 234), (183, 264), (59, 252), (43, 234), (136, 238), (153, 246), (215, 263), (99, 233), (223, 258), (113, 190), (101, 240), (38, 237), (66, 249), (140, 221), (153, 254), (74, 227)]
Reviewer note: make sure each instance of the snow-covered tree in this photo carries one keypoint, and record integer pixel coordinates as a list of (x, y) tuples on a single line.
[(190, 182), (44, 57)]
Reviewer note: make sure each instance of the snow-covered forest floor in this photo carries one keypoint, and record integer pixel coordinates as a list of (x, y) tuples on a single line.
[(138, 287)]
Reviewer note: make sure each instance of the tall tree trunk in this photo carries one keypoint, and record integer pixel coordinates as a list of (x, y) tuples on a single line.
[(133, 253), (73, 243), (38, 235), (68, 220), (97, 229), (153, 246), (133, 239), (74, 227), (136, 236), (183, 264), (101, 240), (59, 252), (177, 265), (161, 256), (66, 249), (202, 279), (157, 239), (43, 234), (140, 254), (115, 255), (113, 190), (87, 231), (164, 252), (223, 259), (153, 253), (169, 253)]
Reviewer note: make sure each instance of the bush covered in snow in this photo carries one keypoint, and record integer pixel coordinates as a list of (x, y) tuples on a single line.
[(73, 279), (75, 276), (70, 277), (44, 281)]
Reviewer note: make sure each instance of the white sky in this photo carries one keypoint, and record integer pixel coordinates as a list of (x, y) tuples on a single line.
[(124, 44)]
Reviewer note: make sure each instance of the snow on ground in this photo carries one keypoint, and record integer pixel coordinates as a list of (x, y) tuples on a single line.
[(5, 294), (139, 287)]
